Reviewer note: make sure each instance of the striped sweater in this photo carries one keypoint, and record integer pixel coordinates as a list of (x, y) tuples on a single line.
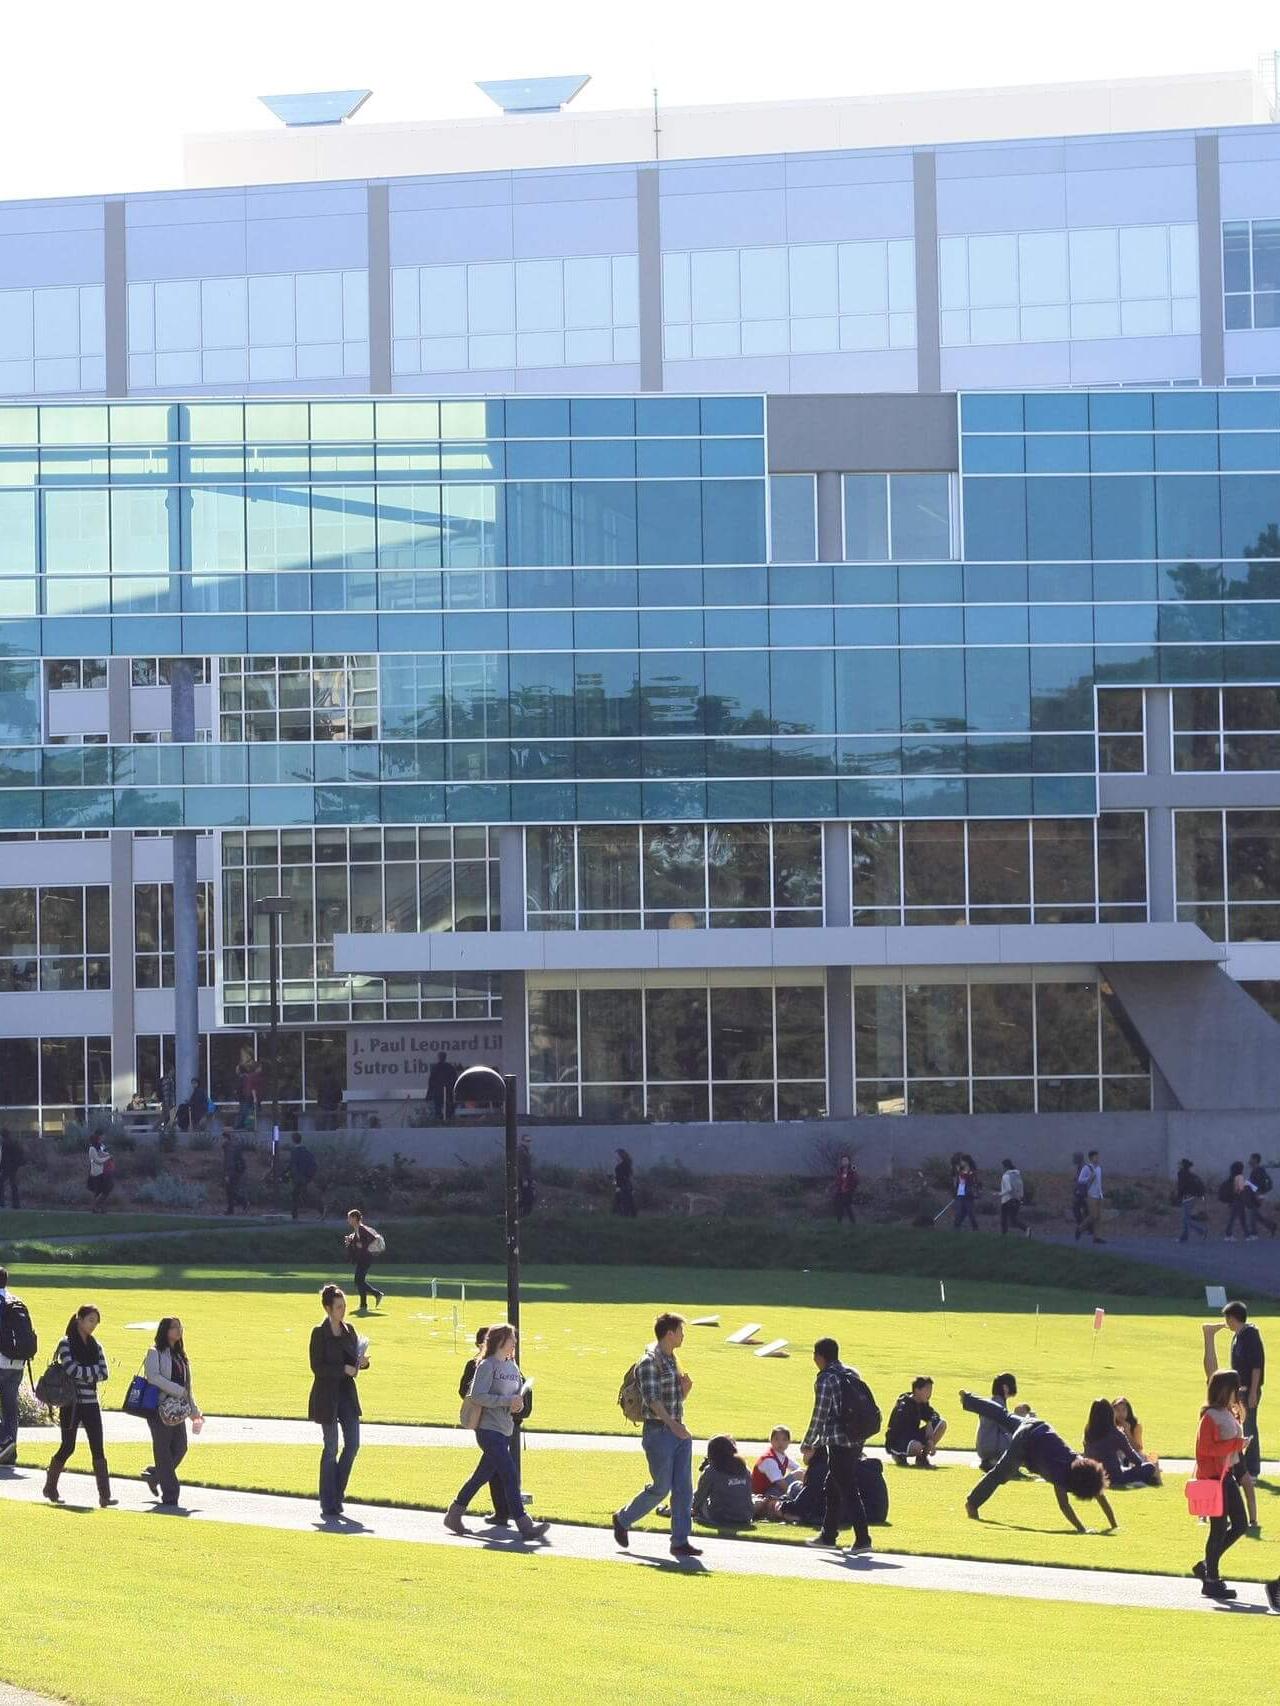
[(87, 1378)]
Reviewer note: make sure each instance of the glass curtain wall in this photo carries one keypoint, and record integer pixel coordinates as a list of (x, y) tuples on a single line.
[(1227, 866), (55, 938), (44, 1081)]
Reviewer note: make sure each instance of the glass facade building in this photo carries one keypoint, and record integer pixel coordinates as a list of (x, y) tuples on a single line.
[(792, 638)]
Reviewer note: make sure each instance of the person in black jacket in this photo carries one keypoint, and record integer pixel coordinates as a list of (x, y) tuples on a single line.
[(497, 1492), (915, 1427), (12, 1157), (723, 1496), (624, 1193), (336, 1360), (1188, 1195)]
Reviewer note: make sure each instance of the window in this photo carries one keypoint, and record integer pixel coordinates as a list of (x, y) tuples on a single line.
[(44, 1080), (580, 311), (62, 673), (153, 934), (673, 876), (307, 1060), (802, 298), (1226, 728), (1122, 745), (248, 329), (366, 880), (793, 518), (1000, 871), (677, 1046), (1227, 869), (1045, 286), (55, 938), (1251, 273), (52, 339), (897, 518), (298, 698), (1016, 1045), (158, 672)]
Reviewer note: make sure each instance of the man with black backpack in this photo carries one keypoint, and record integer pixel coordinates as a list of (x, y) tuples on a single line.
[(1259, 1187), (845, 1416), (17, 1347)]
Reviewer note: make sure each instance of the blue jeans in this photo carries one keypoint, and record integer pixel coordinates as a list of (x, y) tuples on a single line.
[(10, 1380), (1237, 1214), (335, 1471), (496, 1464), (965, 1211), (670, 1472), (1190, 1207)]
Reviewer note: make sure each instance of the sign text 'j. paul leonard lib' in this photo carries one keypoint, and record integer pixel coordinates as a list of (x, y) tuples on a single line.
[(396, 1060)]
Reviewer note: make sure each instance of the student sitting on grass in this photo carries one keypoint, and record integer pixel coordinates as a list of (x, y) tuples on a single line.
[(723, 1496), (1105, 1443), (805, 1504), (1032, 1444), (1130, 1426), (915, 1427), (775, 1473), (991, 1439)]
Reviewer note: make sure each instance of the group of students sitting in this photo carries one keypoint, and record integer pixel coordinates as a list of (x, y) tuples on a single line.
[(778, 1487)]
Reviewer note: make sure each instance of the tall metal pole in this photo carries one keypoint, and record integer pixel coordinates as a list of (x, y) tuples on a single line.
[(273, 953), (510, 1113), (186, 934)]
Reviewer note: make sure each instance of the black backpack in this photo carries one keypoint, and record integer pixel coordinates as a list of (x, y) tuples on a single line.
[(859, 1412), (17, 1335), (868, 1472), (304, 1165), (1227, 1192), (1261, 1181)]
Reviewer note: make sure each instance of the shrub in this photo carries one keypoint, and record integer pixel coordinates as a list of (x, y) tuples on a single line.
[(202, 1142), (148, 1163), (31, 1412), (183, 1196)]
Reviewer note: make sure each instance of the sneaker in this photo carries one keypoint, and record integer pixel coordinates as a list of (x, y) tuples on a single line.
[(923, 1462), (620, 1536), (1273, 1594), (533, 1530), (1213, 1589), (858, 1544), (899, 1459), (1197, 1570), (453, 1520), (9, 1452), (152, 1480), (821, 1540), (971, 1509), (685, 1550)]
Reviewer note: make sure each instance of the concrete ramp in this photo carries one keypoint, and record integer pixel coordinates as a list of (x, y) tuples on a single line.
[(1215, 1046)]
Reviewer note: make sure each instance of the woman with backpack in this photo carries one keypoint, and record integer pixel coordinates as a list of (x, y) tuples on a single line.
[(363, 1243), (723, 1496), (168, 1369), (1234, 1194), (1189, 1195), (84, 1364), (494, 1401), (501, 1515)]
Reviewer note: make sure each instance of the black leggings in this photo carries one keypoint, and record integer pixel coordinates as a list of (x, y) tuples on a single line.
[(1226, 1529), (71, 1418), (364, 1285)]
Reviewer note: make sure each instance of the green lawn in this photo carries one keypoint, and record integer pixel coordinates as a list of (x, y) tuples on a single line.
[(1020, 1525), (242, 1617), (23, 1223), (247, 1334)]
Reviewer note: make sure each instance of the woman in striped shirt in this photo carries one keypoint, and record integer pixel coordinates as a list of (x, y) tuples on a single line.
[(80, 1354)]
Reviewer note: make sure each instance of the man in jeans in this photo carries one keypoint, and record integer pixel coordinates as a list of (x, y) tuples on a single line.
[(668, 1444), (10, 1380), (1249, 1364), (827, 1428)]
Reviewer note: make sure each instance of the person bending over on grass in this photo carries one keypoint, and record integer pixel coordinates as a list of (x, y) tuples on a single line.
[(915, 1427), (1032, 1444), (992, 1439), (668, 1444), (497, 1392), (1105, 1442), (842, 1423), (723, 1498)]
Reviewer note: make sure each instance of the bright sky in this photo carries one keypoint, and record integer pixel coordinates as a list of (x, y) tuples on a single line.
[(98, 96)]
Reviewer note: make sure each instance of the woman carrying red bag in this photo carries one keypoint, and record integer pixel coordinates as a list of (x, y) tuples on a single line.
[(1220, 1446)]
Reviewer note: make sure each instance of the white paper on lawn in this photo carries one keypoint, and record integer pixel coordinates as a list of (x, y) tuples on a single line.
[(744, 1335), (775, 1348)]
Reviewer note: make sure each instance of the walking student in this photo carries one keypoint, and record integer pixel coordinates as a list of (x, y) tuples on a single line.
[(837, 1394), (624, 1188), (1220, 1444), (102, 1168), (334, 1403), (667, 1442), (1033, 1444), (167, 1367), (363, 1243), (1012, 1191), (497, 1394), (964, 1187), (12, 1157), (1088, 1193), (845, 1189), (501, 1515), (1189, 1195), (81, 1357), (234, 1168), (1249, 1364), (18, 1344), (1234, 1194), (1259, 1187), (302, 1169)]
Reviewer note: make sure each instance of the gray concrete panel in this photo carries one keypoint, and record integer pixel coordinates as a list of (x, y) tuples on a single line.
[(830, 517), (1216, 1047), (872, 433), (1190, 791), (511, 895), (115, 298), (928, 319), (120, 905), (837, 893), (840, 1102), (1213, 364), (649, 253), (1161, 903), (379, 239)]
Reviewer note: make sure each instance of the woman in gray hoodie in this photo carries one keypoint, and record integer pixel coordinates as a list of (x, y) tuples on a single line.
[(496, 1398)]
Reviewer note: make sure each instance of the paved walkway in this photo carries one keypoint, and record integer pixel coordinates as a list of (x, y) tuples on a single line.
[(269, 1430), (20, 1697), (736, 1557), (1239, 1267)]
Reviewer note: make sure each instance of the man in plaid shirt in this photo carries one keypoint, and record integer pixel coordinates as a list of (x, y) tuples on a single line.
[(827, 1428), (668, 1444)]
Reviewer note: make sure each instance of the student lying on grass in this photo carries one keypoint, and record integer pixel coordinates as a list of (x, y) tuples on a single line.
[(1035, 1446)]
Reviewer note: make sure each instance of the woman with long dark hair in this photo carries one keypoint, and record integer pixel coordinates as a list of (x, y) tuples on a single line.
[(83, 1358), (169, 1369), (336, 1360), (497, 1389), (1105, 1443), (723, 1497), (1220, 1446)]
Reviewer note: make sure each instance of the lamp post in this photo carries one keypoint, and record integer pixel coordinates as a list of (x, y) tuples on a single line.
[(274, 907), (505, 1081)]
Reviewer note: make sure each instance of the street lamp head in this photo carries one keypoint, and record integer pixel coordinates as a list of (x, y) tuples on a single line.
[(274, 905), (474, 1076)]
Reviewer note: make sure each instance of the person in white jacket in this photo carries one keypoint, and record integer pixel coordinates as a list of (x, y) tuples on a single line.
[(168, 1369)]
